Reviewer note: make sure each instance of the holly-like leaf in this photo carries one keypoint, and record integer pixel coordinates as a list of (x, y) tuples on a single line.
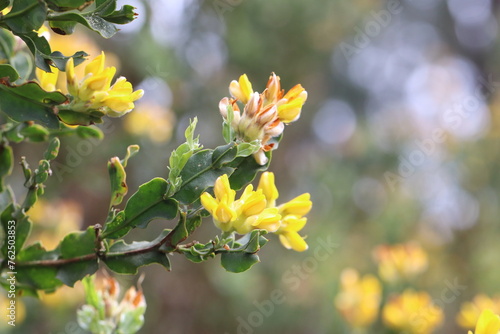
[(91, 20), (16, 230), (201, 171), (237, 262), (78, 245), (26, 16), (37, 277), (186, 226), (146, 204), (125, 15), (251, 242), (127, 258), (6, 163), (44, 57), (29, 102), (247, 169)]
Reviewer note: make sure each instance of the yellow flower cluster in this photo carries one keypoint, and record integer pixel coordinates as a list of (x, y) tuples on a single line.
[(264, 114), (94, 91), (412, 312), (488, 323), (470, 311), (256, 209), (401, 261), (359, 298)]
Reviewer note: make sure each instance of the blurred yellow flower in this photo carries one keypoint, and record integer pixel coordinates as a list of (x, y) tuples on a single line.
[(488, 323), (12, 309), (359, 298), (412, 312), (265, 114), (152, 120), (401, 261), (54, 220), (470, 311), (63, 297), (94, 91), (48, 80)]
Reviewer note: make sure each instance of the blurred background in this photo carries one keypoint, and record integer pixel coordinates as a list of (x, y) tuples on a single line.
[(398, 143)]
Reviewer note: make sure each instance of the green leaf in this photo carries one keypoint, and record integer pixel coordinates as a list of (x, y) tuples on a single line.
[(186, 226), (4, 4), (17, 228), (146, 204), (201, 171), (7, 71), (23, 64), (44, 57), (64, 5), (71, 117), (29, 102), (237, 262), (6, 163), (252, 242), (127, 258), (60, 60), (86, 132), (52, 150), (37, 277), (26, 15), (246, 171), (131, 151), (35, 133), (6, 198), (91, 20), (117, 178), (125, 15), (76, 245), (63, 27), (180, 156), (7, 44)]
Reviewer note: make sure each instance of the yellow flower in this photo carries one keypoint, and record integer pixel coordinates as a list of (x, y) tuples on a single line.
[(292, 212), (247, 213), (470, 311), (359, 298), (412, 312), (266, 184), (488, 323), (48, 80), (241, 89), (264, 114), (290, 106), (220, 207), (401, 261), (94, 91)]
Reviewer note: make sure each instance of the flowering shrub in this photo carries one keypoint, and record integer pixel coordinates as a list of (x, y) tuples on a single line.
[(200, 181)]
